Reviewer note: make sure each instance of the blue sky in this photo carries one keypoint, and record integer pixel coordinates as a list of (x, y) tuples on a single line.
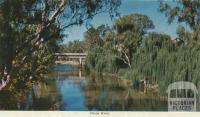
[(147, 7)]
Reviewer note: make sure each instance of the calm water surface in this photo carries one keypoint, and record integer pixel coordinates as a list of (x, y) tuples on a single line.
[(70, 90)]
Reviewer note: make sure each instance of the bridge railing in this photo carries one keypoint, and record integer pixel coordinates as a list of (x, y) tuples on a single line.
[(70, 54), (71, 58)]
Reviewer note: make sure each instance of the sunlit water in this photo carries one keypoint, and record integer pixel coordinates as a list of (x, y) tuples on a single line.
[(70, 90)]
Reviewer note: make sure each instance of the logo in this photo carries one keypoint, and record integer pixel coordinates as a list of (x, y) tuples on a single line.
[(182, 96)]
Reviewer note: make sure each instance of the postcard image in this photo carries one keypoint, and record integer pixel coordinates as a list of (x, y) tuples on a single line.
[(100, 56)]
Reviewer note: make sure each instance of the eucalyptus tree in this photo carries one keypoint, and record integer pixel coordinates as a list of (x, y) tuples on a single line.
[(186, 11), (130, 30), (113, 48), (94, 37), (30, 29)]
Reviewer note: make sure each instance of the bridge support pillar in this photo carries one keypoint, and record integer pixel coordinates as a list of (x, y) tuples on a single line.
[(80, 62)]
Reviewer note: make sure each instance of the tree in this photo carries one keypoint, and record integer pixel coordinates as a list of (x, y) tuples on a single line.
[(165, 61), (75, 47), (130, 30), (29, 27), (94, 37), (119, 43), (186, 11)]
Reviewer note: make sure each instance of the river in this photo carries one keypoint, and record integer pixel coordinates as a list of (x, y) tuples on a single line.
[(69, 89)]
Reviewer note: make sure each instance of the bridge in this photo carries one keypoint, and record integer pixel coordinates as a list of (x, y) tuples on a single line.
[(71, 58)]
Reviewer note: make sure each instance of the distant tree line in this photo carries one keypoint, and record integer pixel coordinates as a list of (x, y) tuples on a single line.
[(75, 46)]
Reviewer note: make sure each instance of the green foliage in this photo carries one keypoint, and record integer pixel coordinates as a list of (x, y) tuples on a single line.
[(159, 57), (120, 43), (130, 30), (101, 60), (164, 61), (151, 56), (74, 47), (94, 36), (136, 23), (96, 59), (184, 62), (186, 11), (31, 30)]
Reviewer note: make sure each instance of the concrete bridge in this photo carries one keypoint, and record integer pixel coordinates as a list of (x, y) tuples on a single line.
[(71, 58)]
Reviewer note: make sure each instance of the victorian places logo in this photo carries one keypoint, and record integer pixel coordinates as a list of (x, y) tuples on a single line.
[(182, 96)]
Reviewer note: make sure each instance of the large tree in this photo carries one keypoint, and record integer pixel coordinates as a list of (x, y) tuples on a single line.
[(113, 48), (129, 32), (186, 11), (94, 37), (29, 29)]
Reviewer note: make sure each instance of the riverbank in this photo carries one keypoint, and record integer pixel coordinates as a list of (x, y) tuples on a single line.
[(150, 87)]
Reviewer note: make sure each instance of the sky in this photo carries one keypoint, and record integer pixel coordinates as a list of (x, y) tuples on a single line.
[(146, 7)]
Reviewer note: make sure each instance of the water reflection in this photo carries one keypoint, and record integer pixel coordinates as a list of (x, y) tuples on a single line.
[(68, 89), (37, 90), (118, 94), (92, 93)]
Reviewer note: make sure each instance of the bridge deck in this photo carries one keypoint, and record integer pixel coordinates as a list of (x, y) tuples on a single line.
[(70, 54), (71, 58)]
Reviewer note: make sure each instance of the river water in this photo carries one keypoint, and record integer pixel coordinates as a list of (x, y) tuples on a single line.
[(70, 90)]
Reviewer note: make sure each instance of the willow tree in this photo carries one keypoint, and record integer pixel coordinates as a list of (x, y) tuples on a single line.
[(186, 11), (30, 28)]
